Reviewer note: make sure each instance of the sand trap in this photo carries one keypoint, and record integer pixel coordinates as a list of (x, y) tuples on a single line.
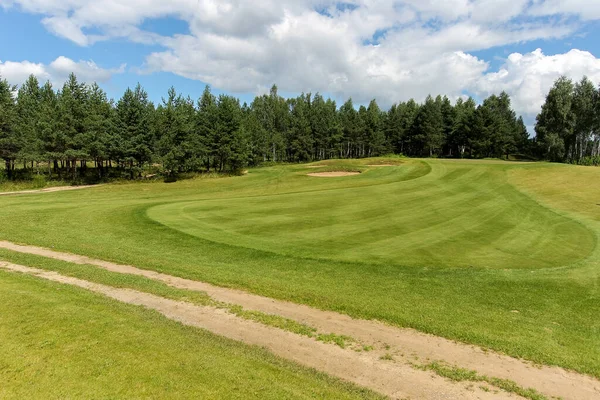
[(333, 174)]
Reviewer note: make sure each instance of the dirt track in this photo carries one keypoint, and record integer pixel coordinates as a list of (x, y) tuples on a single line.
[(48, 190), (405, 345), (395, 380)]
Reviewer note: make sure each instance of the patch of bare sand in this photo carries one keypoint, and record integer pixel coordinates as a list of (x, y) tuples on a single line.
[(333, 174), (396, 380), (48, 190), (405, 344)]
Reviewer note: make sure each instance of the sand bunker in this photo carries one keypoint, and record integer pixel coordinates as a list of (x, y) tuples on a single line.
[(333, 174)]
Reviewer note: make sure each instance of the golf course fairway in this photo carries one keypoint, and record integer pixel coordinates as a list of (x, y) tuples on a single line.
[(502, 255)]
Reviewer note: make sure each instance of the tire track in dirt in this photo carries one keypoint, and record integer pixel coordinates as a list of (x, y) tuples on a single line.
[(404, 344), (395, 380)]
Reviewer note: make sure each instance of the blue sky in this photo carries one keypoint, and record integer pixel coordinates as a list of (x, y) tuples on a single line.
[(388, 50)]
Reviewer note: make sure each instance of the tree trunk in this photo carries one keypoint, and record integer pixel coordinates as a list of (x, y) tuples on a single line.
[(8, 169)]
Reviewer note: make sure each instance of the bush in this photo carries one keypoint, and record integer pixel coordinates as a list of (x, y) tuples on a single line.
[(38, 181), (590, 161)]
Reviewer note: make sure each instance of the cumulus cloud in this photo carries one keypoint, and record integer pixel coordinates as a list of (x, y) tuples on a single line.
[(56, 72), (529, 77), (389, 49)]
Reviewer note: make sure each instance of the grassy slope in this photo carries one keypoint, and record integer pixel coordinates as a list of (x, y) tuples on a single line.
[(447, 247), (8, 186), (57, 342)]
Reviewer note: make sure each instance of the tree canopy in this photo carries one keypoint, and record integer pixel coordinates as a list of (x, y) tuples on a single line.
[(568, 127), (68, 128)]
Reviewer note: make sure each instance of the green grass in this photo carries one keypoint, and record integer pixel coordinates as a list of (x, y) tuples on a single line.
[(58, 341), (448, 247), (36, 183), (462, 375), (95, 274)]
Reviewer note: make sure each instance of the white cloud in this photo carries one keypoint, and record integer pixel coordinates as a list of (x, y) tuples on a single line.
[(529, 77), (56, 72), (389, 49), (584, 9)]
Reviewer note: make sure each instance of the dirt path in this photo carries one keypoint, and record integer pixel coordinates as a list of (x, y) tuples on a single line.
[(405, 345), (395, 380), (48, 190)]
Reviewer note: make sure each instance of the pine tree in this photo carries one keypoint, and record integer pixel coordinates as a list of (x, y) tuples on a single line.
[(375, 137), (134, 136), (10, 142), (71, 121), (28, 114), (53, 143), (98, 127), (299, 138), (228, 134), (206, 125)]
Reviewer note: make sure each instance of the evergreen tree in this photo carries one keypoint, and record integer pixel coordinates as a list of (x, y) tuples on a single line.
[(428, 128), (206, 126), (71, 121), (229, 136), (133, 118), (28, 111), (449, 121), (10, 142), (350, 125), (51, 138), (375, 137), (98, 127), (461, 138), (299, 138), (173, 127)]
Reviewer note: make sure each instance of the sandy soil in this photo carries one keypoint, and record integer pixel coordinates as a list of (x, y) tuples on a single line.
[(396, 380), (333, 174), (48, 190), (405, 344)]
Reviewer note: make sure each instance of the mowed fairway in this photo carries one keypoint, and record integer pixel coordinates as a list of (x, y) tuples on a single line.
[(485, 252), (458, 216)]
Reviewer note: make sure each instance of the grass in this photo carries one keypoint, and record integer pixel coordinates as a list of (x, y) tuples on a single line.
[(448, 247), (58, 341), (94, 274), (36, 183), (462, 375)]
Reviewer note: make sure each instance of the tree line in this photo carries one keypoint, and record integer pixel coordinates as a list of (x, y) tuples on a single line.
[(568, 127), (65, 132)]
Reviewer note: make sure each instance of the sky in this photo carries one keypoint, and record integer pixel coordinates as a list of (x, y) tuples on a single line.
[(388, 50)]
